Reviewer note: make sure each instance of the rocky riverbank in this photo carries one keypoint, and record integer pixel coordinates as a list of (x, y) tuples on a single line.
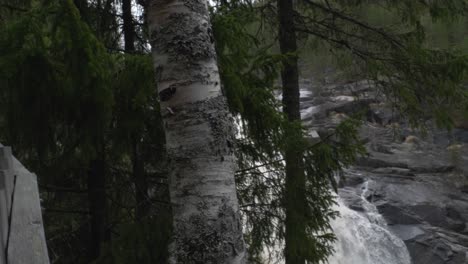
[(419, 184)]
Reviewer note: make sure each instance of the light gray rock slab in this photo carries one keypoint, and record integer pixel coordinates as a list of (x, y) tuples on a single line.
[(19, 200)]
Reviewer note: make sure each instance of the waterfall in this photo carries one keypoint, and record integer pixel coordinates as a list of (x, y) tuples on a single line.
[(363, 237)]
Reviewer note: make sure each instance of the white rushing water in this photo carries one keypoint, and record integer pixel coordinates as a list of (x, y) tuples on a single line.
[(364, 239)]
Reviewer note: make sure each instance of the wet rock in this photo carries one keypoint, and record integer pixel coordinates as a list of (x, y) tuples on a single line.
[(419, 183), (398, 215), (382, 114), (407, 231), (394, 170), (351, 199), (434, 248)]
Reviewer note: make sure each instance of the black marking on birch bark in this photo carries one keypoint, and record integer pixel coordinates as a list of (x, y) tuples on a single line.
[(203, 239), (229, 144), (212, 232), (212, 112), (210, 33), (184, 38), (167, 94), (221, 124), (197, 6)]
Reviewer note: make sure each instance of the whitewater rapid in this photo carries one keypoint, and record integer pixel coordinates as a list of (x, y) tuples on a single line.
[(363, 237)]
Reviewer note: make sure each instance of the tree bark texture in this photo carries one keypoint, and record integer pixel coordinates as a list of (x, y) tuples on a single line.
[(199, 135), (128, 26), (140, 181), (97, 207), (138, 171), (82, 6), (295, 201)]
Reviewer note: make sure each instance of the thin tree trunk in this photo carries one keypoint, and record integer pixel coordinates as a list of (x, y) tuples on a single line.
[(97, 207), (140, 181), (295, 202), (139, 176), (199, 132), (128, 26)]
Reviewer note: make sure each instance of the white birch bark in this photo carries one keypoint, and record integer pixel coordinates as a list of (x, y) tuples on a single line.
[(199, 132)]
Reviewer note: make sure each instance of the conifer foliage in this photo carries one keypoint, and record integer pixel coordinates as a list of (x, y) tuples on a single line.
[(79, 107), (71, 100)]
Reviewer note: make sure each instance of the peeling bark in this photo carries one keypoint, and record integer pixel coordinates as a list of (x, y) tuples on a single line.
[(207, 227)]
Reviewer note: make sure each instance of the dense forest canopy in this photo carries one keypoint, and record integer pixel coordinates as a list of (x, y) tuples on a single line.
[(81, 108)]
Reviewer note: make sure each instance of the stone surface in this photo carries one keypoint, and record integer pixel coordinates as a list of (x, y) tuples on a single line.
[(19, 200), (419, 184)]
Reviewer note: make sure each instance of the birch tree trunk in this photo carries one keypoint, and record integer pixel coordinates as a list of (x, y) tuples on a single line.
[(199, 132)]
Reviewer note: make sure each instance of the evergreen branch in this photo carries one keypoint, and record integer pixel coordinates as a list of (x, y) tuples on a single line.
[(258, 166), (268, 171), (152, 176), (13, 8), (356, 22), (128, 209), (63, 211), (52, 188), (238, 172), (334, 28), (255, 205), (71, 232), (364, 55)]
